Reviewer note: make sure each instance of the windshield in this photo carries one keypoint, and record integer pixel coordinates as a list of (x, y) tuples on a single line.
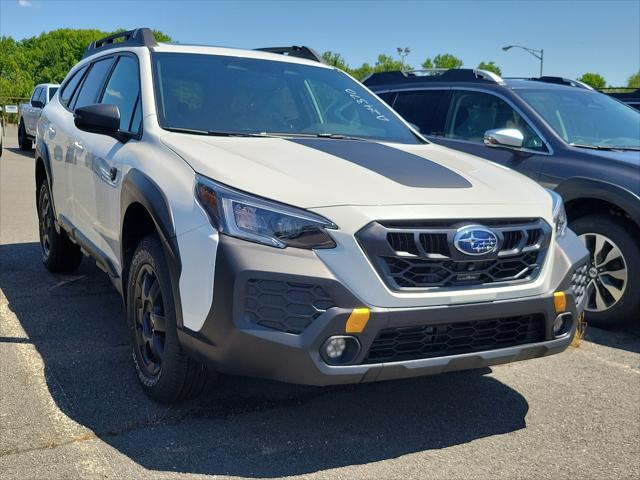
[(585, 118), (213, 93)]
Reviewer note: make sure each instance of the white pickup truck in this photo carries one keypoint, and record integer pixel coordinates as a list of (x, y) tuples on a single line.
[(30, 113)]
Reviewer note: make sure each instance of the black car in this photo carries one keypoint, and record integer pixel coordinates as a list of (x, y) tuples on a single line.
[(570, 138), (626, 95)]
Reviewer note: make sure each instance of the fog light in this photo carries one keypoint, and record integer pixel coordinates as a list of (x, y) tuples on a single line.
[(335, 347), (340, 350), (558, 324), (562, 324)]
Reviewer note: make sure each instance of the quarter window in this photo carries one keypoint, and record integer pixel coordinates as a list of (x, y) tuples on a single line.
[(67, 91), (93, 82), (473, 113), (123, 90)]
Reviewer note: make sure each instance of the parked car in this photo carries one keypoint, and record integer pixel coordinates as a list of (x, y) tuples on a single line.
[(264, 214), (29, 113), (559, 132), (629, 96)]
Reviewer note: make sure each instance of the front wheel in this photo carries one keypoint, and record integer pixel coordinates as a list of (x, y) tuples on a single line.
[(614, 269), (166, 373)]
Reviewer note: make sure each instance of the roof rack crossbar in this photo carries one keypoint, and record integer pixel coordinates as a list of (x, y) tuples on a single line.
[(142, 37), (557, 80), (434, 74), (295, 51)]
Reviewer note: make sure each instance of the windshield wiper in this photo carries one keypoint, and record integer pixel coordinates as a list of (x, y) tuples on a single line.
[(334, 136), (213, 133), (603, 147), (592, 147)]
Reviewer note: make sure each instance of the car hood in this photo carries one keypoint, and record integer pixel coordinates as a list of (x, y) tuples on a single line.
[(310, 172), (629, 157)]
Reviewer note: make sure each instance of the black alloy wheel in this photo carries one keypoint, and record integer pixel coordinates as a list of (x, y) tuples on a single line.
[(150, 321)]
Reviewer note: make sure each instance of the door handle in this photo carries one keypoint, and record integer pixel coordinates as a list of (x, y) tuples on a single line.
[(113, 173)]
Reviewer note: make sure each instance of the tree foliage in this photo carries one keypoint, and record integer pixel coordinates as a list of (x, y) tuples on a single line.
[(634, 80), (594, 80), (490, 67), (45, 58)]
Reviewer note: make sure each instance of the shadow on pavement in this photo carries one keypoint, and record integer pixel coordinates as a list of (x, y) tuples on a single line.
[(624, 338), (240, 426), (24, 153)]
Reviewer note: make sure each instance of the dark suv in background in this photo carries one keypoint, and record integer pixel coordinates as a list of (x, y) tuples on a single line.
[(570, 138)]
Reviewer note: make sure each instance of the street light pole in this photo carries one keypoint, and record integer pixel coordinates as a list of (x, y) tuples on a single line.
[(403, 52), (539, 54)]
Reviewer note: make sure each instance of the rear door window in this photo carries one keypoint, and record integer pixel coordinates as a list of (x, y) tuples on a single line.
[(427, 109), (93, 82), (473, 113)]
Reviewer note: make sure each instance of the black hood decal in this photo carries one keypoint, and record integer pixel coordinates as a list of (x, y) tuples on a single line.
[(397, 165)]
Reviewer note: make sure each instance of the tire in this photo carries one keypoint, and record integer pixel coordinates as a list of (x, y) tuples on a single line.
[(59, 254), (166, 373), (24, 142), (612, 294)]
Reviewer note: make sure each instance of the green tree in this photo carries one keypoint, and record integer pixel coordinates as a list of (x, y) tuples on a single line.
[(594, 80), (384, 63), (44, 58), (490, 67), (427, 64), (634, 80), (446, 60), (335, 59)]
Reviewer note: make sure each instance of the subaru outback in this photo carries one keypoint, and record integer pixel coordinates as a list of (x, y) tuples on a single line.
[(264, 214)]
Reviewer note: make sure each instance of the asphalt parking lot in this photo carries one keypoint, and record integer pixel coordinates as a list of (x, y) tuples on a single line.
[(70, 405)]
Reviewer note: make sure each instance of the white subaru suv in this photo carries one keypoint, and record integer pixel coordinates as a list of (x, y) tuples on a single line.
[(263, 213)]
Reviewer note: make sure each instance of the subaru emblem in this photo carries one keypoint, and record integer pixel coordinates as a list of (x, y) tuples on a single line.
[(475, 240)]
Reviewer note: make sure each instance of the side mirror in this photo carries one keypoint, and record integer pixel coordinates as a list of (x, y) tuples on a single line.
[(37, 103), (100, 118), (504, 137)]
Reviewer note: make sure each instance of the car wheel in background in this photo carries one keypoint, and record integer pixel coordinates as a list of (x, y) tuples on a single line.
[(613, 292), (59, 254), (24, 142)]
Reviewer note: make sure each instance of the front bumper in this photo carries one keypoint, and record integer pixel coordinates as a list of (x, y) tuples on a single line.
[(232, 343)]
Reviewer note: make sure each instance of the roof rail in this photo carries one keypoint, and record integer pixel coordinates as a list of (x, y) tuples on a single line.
[(295, 51), (140, 37), (434, 75), (557, 80)]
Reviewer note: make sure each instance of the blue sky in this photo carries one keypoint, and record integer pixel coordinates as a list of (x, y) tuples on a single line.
[(577, 36)]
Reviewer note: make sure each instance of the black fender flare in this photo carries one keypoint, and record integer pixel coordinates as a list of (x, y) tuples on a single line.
[(577, 187), (42, 154), (139, 188)]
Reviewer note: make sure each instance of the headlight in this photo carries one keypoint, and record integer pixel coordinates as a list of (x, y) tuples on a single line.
[(258, 220), (559, 214)]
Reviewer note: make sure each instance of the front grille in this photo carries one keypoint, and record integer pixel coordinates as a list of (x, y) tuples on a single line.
[(430, 341), (423, 273), (285, 306), (421, 255)]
